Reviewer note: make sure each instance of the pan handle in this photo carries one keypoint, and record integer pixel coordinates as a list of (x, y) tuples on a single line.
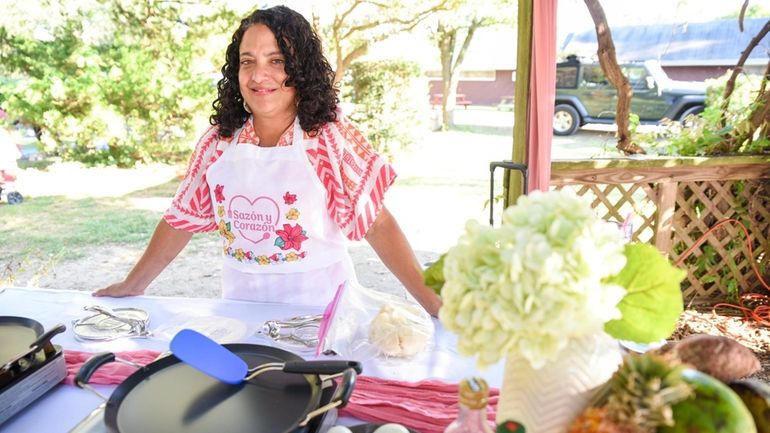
[(89, 368), (321, 367), (345, 388), (340, 397), (44, 339)]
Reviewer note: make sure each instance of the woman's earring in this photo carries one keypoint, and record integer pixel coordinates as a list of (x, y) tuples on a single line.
[(246, 107)]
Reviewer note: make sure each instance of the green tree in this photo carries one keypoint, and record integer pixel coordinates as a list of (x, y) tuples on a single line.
[(384, 110), (355, 25), (453, 32), (134, 75)]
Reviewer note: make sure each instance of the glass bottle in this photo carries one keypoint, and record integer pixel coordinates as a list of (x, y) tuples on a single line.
[(472, 417)]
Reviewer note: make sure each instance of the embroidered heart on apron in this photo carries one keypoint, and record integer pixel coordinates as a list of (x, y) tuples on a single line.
[(255, 220)]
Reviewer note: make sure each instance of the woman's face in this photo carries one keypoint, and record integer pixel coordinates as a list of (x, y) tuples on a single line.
[(261, 74)]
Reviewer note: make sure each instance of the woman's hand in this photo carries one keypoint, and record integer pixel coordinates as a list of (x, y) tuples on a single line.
[(390, 244), (165, 244), (432, 304), (119, 290)]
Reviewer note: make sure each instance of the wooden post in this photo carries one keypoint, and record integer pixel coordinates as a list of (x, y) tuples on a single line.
[(664, 221), (512, 184)]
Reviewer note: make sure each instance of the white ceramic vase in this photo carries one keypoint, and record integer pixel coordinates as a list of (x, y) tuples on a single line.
[(546, 400)]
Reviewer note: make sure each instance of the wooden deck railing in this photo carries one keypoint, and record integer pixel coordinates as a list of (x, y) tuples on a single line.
[(674, 201)]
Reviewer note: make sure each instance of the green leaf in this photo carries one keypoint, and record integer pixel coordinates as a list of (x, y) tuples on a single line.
[(434, 275), (653, 301)]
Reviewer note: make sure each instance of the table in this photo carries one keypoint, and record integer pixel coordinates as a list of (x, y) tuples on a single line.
[(65, 406), (460, 99)]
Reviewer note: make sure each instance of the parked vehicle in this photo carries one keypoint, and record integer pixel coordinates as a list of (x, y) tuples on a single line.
[(6, 194), (584, 95)]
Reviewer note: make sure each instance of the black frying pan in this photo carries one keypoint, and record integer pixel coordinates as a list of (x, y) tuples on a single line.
[(21, 341), (16, 334), (170, 396)]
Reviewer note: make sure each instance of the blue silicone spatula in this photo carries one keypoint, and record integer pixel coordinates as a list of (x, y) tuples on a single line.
[(215, 360)]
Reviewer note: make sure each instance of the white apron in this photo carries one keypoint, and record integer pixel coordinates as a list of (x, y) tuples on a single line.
[(279, 242)]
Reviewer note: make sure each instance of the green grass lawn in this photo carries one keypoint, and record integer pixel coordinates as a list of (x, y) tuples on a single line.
[(59, 226)]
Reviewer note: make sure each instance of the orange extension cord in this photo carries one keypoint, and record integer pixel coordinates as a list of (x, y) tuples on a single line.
[(753, 306)]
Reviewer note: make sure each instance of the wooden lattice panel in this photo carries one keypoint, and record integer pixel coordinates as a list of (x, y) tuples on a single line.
[(721, 266), (616, 202), (675, 201)]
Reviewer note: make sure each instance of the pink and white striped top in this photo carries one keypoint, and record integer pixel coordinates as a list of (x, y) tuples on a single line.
[(354, 175)]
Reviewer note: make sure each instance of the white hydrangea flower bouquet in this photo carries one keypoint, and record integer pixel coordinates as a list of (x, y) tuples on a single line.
[(552, 271)]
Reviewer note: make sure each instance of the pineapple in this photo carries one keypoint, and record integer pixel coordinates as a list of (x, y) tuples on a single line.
[(637, 399), (594, 420)]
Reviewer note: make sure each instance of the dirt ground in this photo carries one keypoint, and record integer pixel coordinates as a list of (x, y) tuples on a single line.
[(748, 333), (195, 272)]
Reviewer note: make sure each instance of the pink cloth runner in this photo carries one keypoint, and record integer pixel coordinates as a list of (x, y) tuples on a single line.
[(427, 406), (112, 373)]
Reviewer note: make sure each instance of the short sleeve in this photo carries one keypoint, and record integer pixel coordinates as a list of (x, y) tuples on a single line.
[(191, 209), (355, 176)]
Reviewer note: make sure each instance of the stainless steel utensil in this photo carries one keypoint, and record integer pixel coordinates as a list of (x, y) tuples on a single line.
[(109, 324), (299, 330)]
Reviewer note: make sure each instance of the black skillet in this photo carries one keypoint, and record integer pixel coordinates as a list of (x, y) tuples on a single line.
[(16, 334), (22, 342), (170, 396)]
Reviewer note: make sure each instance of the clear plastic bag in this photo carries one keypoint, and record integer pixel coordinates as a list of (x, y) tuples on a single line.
[(362, 324)]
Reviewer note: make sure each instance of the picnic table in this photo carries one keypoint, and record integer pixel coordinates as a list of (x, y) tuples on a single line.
[(460, 99), (65, 406)]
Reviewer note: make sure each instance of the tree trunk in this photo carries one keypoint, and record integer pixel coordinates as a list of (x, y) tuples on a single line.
[(609, 64), (450, 64), (758, 122), (730, 85), (344, 63), (447, 39)]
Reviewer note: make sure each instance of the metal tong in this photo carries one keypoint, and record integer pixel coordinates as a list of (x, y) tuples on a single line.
[(300, 330), (137, 327)]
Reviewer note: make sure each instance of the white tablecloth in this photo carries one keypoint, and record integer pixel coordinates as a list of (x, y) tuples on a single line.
[(65, 406)]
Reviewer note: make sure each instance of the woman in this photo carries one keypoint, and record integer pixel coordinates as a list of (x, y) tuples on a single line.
[(283, 177)]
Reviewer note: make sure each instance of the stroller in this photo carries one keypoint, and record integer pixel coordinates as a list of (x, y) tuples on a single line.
[(9, 153), (12, 197)]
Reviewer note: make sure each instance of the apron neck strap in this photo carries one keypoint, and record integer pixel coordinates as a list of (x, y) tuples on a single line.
[(237, 133), (298, 133)]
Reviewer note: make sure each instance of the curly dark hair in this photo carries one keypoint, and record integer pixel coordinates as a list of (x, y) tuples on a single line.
[(308, 72)]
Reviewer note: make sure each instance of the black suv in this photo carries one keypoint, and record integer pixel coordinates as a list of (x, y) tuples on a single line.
[(584, 95)]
